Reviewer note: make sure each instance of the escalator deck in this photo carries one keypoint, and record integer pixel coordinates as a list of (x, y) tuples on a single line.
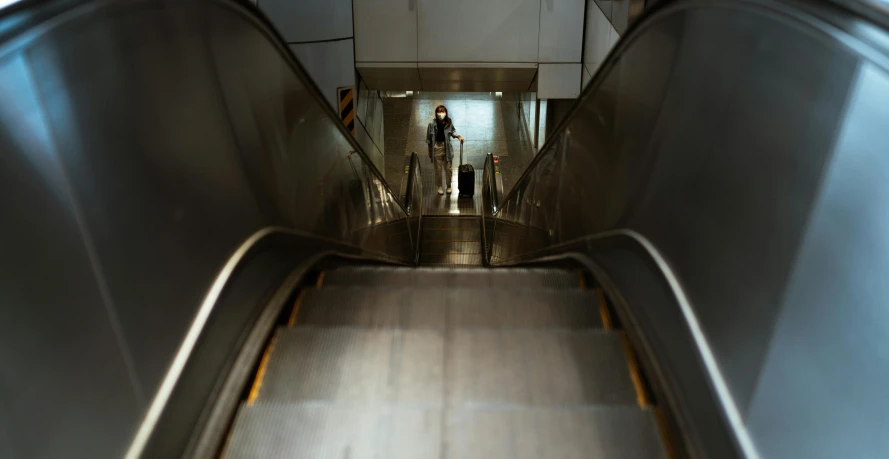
[(444, 363)]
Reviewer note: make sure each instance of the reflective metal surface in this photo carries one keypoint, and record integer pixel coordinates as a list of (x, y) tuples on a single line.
[(141, 142), (450, 241), (746, 141)]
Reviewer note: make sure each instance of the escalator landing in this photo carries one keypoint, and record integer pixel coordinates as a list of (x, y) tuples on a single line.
[(449, 204)]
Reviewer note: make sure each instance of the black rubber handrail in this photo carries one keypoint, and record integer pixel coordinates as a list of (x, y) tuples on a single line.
[(489, 173), (411, 177)]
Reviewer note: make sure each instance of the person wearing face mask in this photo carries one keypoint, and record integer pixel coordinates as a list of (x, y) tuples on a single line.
[(438, 138)]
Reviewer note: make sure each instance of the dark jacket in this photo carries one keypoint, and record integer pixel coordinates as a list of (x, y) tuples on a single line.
[(449, 132)]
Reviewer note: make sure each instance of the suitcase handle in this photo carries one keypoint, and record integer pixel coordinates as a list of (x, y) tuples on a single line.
[(461, 153)]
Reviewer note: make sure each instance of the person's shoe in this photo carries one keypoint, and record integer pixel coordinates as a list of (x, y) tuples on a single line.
[(449, 190), (440, 191)]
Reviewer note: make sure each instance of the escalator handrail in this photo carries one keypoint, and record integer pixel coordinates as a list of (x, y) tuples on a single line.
[(864, 10), (491, 188), (412, 176)]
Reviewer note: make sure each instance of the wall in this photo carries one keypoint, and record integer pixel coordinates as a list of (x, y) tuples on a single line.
[(369, 128), (467, 45), (606, 21), (321, 36)]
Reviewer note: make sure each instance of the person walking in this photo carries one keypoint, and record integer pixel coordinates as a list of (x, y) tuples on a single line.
[(438, 138)]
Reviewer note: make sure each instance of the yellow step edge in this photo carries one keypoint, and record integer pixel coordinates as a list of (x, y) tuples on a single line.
[(295, 310), (260, 373)]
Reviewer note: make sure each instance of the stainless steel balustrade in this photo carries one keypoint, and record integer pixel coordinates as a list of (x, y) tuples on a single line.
[(726, 174), (141, 143)]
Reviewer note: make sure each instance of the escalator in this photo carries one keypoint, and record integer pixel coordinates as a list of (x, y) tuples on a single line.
[(200, 261), (444, 362)]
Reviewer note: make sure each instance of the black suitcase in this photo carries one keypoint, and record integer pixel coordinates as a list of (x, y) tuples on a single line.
[(465, 178)]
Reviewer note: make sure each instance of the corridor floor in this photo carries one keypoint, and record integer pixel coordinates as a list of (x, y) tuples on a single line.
[(488, 123)]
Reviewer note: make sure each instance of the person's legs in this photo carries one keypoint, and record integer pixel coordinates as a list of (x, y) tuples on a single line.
[(440, 162), (449, 167)]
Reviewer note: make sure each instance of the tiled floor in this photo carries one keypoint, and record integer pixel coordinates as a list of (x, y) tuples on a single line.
[(486, 122)]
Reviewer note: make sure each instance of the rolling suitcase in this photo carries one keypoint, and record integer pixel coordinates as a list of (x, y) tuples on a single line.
[(465, 178)]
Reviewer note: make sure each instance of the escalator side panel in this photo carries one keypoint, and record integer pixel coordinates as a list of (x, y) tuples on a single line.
[(728, 136), (142, 142)]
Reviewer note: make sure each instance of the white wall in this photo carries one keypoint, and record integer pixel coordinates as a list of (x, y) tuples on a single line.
[(600, 38), (320, 34), (330, 64), (385, 30), (310, 20), (558, 81), (478, 31), (561, 31), (468, 35)]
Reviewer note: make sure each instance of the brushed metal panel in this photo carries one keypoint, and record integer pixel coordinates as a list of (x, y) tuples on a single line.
[(750, 168), (830, 342), (63, 352), (385, 30), (310, 20), (561, 31), (473, 31), (131, 201)]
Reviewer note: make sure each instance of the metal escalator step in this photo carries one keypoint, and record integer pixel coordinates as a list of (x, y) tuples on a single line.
[(513, 278), (313, 430), (355, 365), (452, 259), (538, 368), (444, 235), (440, 308), (451, 223), (607, 432), (501, 308), (517, 367)]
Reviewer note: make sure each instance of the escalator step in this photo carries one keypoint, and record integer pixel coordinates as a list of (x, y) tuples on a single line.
[(312, 430), (438, 308), (512, 367), (513, 278)]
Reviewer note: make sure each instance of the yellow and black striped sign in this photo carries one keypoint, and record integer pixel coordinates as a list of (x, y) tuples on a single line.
[(347, 108)]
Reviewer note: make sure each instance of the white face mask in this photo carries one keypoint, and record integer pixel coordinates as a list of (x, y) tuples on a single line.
[(441, 116)]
